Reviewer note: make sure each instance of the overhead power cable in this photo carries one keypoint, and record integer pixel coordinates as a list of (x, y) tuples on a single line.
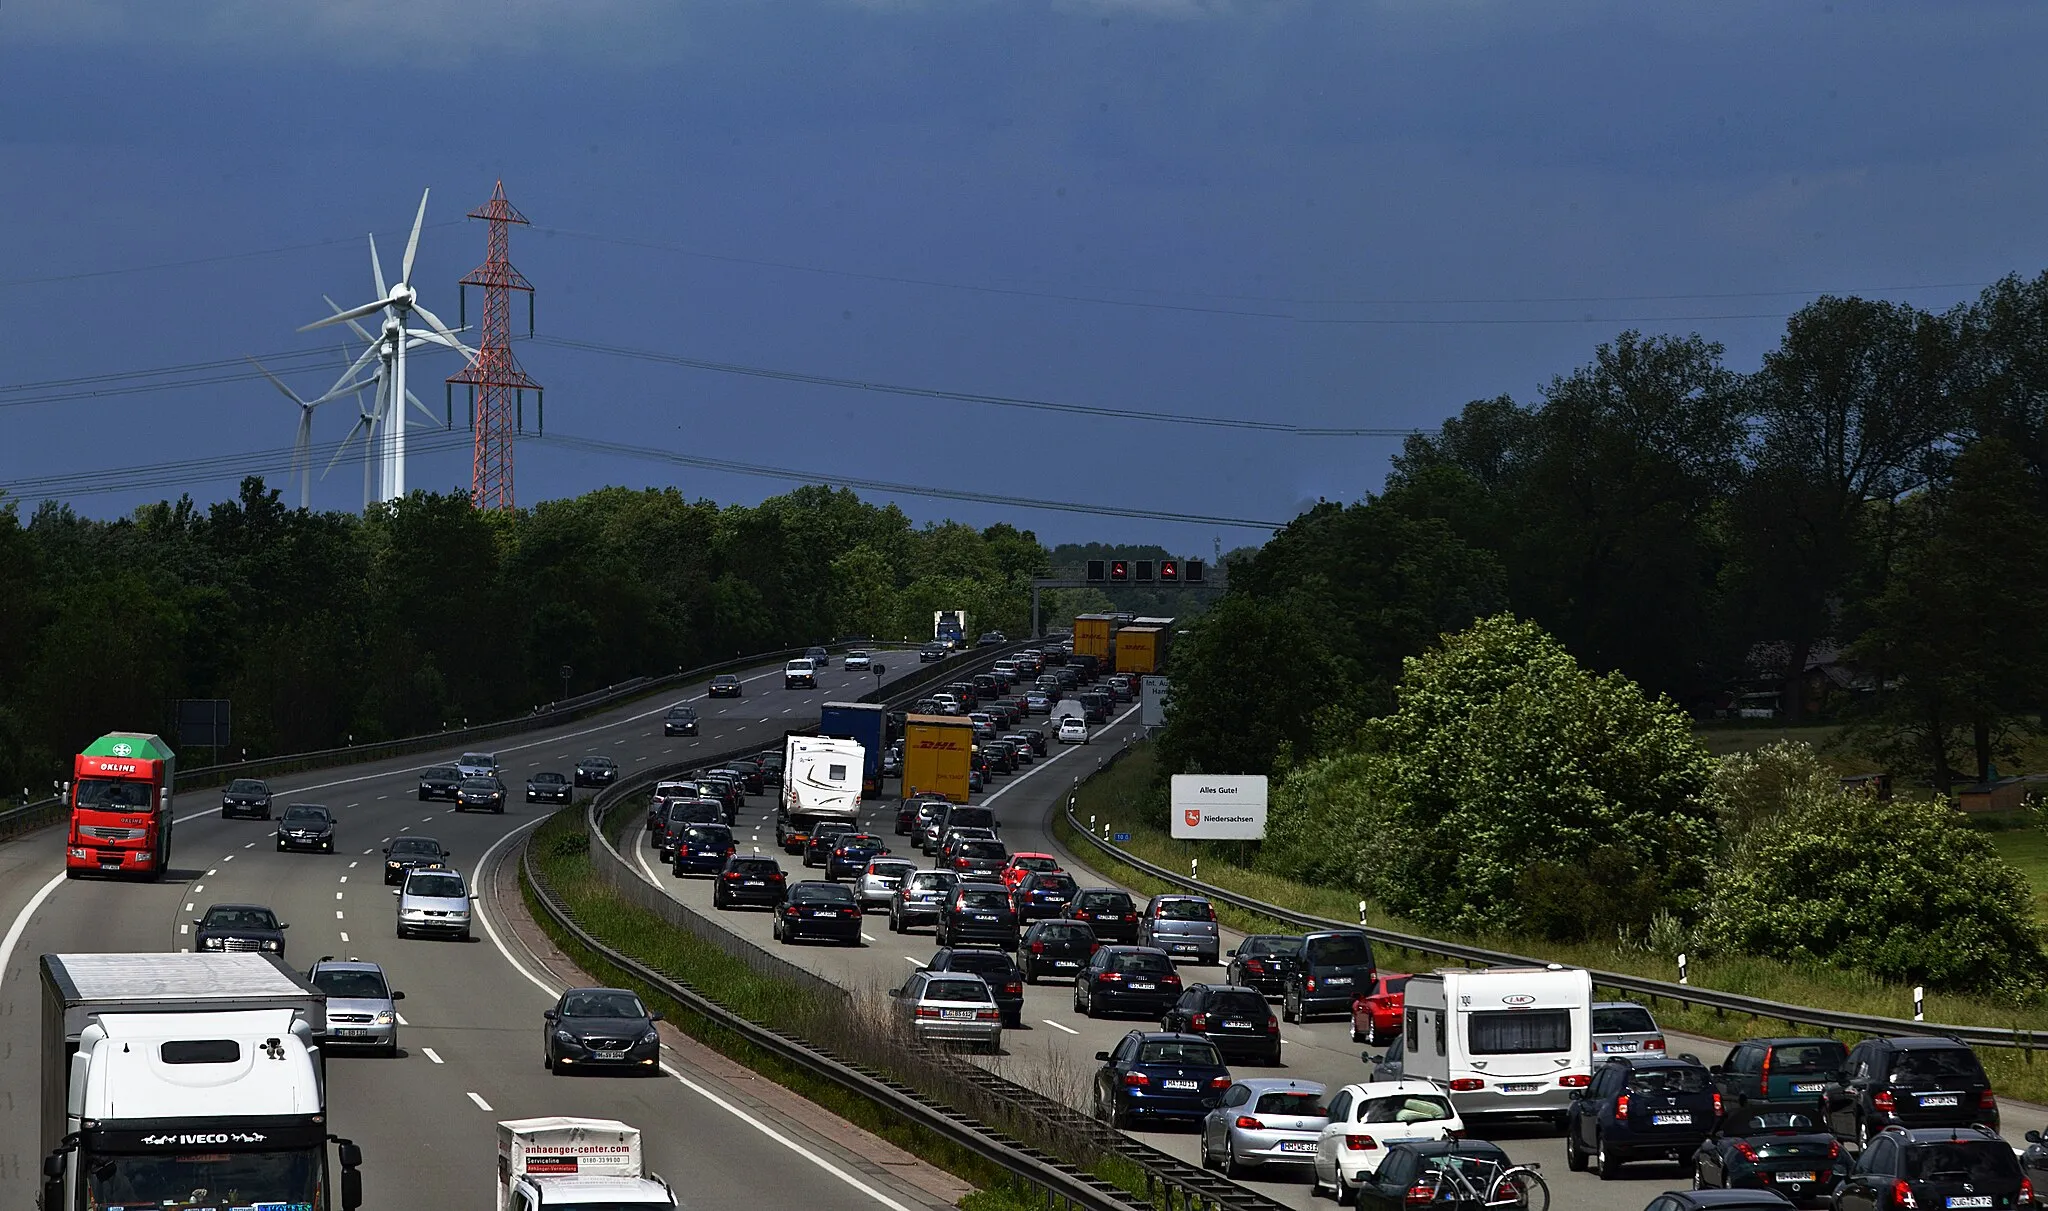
[(193, 262)]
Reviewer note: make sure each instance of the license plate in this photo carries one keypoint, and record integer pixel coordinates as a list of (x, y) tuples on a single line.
[(1809, 1087), (609, 1055), (984, 916), (1143, 987), (1066, 963), (1236, 1025), (1180, 1084), (1670, 1120), (958, 1015), (1940, 1099), (826, 913), (752, 883), (1185, 946), (1794, 1177), (1522, 1087), (346, 1033), (1336, 981), (1297, 1146), (1618, 1046), (1969, 1200)]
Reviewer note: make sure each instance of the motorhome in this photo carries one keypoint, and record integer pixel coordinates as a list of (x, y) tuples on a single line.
[(821, 780), (1502, 1040)]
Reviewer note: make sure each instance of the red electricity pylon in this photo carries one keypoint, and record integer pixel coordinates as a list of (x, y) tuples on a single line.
[(497, 386)]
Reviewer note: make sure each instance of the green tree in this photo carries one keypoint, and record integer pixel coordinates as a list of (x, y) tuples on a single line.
[(1248, 681)]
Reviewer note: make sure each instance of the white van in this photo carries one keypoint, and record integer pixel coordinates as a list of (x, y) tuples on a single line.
[(1502, 1040), (1069, 706), (800, 674)]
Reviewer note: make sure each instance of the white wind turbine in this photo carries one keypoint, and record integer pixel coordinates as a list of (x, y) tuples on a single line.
[(398, 302), (302, 445)]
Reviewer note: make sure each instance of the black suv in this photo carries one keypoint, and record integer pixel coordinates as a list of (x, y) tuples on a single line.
[(996, 969), (441, 782), (1935, 1167), (1638, 1108), (1778, 1076), (1334, 967), (1055, 948), (680, 721), (978, 913), (1111, 913), (1231, 1016), (1914, 1081)]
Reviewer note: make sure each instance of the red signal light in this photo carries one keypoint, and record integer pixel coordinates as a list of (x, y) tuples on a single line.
[(1169, 571), (1119, 570)]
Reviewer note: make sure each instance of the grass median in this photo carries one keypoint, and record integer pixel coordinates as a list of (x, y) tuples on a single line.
[(1113, 798), (846, 1027)]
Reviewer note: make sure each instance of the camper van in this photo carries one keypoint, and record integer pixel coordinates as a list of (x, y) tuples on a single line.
[(1502, 1040)]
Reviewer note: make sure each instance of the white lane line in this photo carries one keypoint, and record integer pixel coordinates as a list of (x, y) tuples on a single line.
[(1020, 779), (28, 910), (188, 905), (641, 757), (424, 819), (913, 962), (337, 895), (371, 851), (185, 926), (381, 798), (355, 804), (344, 878), (481, 1104), (344, 935), (864, 936), (211, 873), (402, 1021), (351, 866), (198, 889), (1057, 1026), (337, 915), (433, 1055)]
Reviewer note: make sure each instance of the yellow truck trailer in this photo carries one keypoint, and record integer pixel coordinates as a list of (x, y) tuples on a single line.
[(1140, 649), (937, 751), (1092, 635)]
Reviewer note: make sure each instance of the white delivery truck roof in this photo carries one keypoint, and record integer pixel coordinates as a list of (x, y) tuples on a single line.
[(231, 1064), (142, 982), (578, 1161)]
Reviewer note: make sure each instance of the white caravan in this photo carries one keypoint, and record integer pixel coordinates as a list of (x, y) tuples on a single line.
[(821, 779), (1502, 1040)]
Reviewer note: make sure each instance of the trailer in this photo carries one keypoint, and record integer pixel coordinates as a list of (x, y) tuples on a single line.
[(575, 1162), (1502, 1040)]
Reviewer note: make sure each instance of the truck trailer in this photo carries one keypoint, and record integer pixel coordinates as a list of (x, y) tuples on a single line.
[(120, 798), (168, 1073), (1092, 637), (1140, 649), (574, 1163), (866, 724), (938, 750), (821, 780)]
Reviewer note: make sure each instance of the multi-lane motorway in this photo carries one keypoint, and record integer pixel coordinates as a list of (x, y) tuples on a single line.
[(472, 1012)]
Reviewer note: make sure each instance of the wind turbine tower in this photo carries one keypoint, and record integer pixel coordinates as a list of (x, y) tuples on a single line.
[(497, 386)]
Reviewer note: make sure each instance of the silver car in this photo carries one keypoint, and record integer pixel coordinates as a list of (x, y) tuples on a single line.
[(949, 1007), (1624, 1028), (434, 902), (877, 884), (362, 1009), (477, 765), (1264, 1121), (920, 899)]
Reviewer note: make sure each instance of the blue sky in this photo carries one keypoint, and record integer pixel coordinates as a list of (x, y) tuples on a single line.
[(1356, 214)]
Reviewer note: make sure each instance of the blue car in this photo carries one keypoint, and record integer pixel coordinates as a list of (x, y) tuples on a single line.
[(1044, 896), (851, 854), (1637, 1108), (701, 849), (1157, 1075)]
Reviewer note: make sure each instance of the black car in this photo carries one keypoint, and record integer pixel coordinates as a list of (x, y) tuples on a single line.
[(727, 789), (931, 653), (247, 797), (991, 639), (1055, 948), (906, 811), (593, 771), (979, 859), (1233, 1017), (1044, 895), (819, 910), (996, 969), (1001, 754), (549, 787), (1037, 738), (819, 657), (1912, 1081), (439, 782), (1638, 1108), (1159, 1076), (1719, 1200), (678, 817), (701, 849), (978, 913), (771, 768), (680, 721), (1790, 1153), (1020, 748), (725, 685), (486, 794), (600, 1028), (749, 880), (1263, 960), (239, 927), (405, 853), (1774, 1075), (1126, 979), (1110, 912), (753, 779), (1408, 1175), (1935, 1167), (306, 826), (823, 836), (1334, 967)]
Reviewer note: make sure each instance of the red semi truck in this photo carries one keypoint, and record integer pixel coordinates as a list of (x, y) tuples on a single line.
[(121, 807)]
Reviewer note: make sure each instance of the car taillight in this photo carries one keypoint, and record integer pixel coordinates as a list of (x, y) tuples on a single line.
[(1219, 1082), (1766, 1073), (1576, 1080), (1653, 1044), (1466, 1084), (1038, 947), (1212, 913), (961, 863), (1986, 1102), (1110, 977), (732, 874), (1258, 965), (926, 1011), (840, 852), (1421, 1195), (1272, 1024), (1717, 1106), (1136, 1078), (846, 910), (984, 1015), (1016, 986), (1745, 1151), (1199, 1022), (2026, 1192), (1311, 983), (1884, 1101), (1621, 1106), (1246, 1122), (1130, 916), (1360, 1143), (1173, 980), (1902, 1194), (777, 876), (1834, 1149)]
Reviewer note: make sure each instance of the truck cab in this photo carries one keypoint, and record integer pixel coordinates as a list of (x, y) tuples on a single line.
[(121, 807)]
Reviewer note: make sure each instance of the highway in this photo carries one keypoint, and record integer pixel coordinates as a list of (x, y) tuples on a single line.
[(472, 1025)]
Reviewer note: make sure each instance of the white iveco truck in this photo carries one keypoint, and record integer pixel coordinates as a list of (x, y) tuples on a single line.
[(170, 1078)]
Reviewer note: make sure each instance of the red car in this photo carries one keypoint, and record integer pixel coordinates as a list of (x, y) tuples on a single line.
[(1376, 1013), (1025, 864)]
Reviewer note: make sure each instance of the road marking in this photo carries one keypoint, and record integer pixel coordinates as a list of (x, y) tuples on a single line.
[(28, 910), (183, 927), (352, 866), (337, 914), (358, 804), (642, 757), (424, 819), (402, 1021), (864, 936), (913, 961), (188, 906), (432, 1054), (372, 851), (1057, 1026), (198, 889), (381, 798), (210, 873), (481, 1104), (344, 935), (344, 878), (1047, 763), (337, 895)]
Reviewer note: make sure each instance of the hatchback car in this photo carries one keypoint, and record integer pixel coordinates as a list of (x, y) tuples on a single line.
[(434, 901), (823, 836), (1334, 965), (1263, 960), (440, 782), (1126, 979), (681, 816), (477, 765), (306, 826), (877, 885), (701, 849), (851, 854), (818, 910), (1376, 1011), (1055, 948), (916, 810), (1027, 862), (1366, 1120), (753, 778), (725, 685), (949, 1007), (980, 859), (1624, 1028), (1110, 912), (549, 787), (596, 771), (1779, 1075), (1159, 1076), (1233, 1017), (1914, 1081), (1412, 1172), (234, 927), (600, 1028), (1790, 1153), (1044, 895), (681, 720), (749, 880), (1638, 1109), (996, 968), (921, 898), (978, 914), (666, 794), (484, 794), (247, 797), (1262, 1121), (404, 854), (1073, 730), (1935, 1167), (362, 1008), (1184, 927)]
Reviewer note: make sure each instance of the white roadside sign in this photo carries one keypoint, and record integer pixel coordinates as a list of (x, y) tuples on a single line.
[(1153, 694), (1219, 807)]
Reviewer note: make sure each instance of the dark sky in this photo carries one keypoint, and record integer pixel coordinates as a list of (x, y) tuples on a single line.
[(1355, 214)]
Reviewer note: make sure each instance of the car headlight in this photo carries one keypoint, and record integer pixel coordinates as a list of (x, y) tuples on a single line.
[(269, 945), (386, 1018), (393, 866), (652, 1036), (210, 944), (563, 1036)]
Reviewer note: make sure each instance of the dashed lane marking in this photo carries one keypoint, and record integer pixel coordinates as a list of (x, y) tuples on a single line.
[(432, 1054), (1057, 1026), (481, 1104)]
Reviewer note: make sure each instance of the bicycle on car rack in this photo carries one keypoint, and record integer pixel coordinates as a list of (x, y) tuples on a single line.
[(1472, 1183)]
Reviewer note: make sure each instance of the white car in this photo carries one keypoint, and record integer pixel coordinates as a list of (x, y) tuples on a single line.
[(477, 765), (857, 661), (800, 674), (1365, 1118), (1073, 730)]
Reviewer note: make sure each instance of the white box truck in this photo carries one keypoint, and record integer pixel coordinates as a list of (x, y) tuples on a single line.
[(168, 1073), (1502, 1040), (574, 1162)]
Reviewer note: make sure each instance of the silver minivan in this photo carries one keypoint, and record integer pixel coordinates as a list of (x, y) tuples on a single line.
[(1182, 926), (435, 901)]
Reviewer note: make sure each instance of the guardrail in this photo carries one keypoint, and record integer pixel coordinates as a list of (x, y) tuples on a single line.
[(1688, 995)]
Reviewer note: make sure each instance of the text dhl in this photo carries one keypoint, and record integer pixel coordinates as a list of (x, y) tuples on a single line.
[(950, 746)]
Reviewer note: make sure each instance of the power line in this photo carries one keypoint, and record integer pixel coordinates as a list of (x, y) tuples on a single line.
[(189, 471), (192, 262)]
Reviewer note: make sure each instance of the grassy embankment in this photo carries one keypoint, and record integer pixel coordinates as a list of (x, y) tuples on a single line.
[(561, 856), (1114, 797)]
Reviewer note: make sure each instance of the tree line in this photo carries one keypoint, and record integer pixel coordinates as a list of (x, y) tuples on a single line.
[(323, 627), (1875, 491)]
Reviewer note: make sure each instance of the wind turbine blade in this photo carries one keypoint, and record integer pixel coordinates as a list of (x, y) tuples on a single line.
[(412, 245), (341, 317), (414, 400), (377, 269), (446, 334), (339, 390), (278, 383), (358, 329), (362, 422), (302, 456)]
